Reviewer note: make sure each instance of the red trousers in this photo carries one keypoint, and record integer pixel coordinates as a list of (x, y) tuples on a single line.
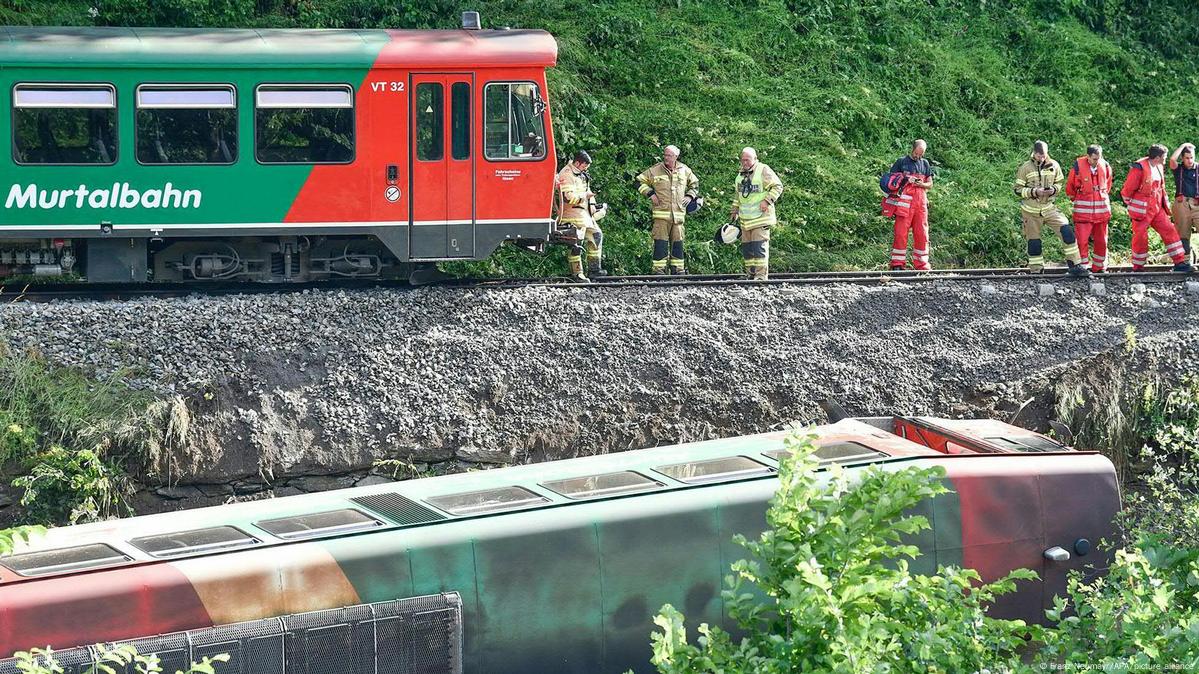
[(1159, 220), (1087, 229), (913, 218)]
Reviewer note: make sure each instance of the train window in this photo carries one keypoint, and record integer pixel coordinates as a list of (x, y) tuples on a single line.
[(191, 542), (430, 121), (64, 124), (304, 124), (64, 560), (319, 524), (608, 484), (487, 501), (513, 124), (715, 470), (186, 125), (837, 452), (460, 120)]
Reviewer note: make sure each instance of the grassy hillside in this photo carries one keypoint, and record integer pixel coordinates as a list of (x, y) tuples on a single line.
[(829, 91)]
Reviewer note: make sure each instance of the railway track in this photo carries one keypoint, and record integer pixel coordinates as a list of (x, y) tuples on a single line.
[(49, 292)]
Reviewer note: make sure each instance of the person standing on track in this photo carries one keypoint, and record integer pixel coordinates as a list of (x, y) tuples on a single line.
[(1038, 182), (577, 207), (1186, 195), (756, 190), (674, 190), (1089, 185), (1145, 195), (913, 175)]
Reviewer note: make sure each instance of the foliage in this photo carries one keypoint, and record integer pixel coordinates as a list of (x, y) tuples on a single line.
[(828, 588), (73, 485), (829, 91), (43, 405), (110, 660), (11, 538)]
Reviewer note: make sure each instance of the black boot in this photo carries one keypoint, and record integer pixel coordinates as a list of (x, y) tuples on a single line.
[(595, 270), (1078, 271), (1183, 267)]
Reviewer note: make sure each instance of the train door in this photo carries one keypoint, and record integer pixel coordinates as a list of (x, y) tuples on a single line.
[(441, 164)]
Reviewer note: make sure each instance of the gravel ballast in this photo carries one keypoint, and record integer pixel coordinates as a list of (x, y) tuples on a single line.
[(328, 382)]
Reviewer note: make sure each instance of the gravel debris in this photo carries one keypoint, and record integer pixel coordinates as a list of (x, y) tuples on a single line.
[(329, 382)]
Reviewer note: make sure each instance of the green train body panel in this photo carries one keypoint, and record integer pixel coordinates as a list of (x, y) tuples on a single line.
[(566, 586)]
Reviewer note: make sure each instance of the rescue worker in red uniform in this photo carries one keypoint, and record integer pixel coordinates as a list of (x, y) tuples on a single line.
[(910, 206), (578, 210), (1186, 195), (1145, 195), (1089, 186)]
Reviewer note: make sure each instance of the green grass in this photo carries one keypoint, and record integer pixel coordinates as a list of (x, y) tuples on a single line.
[(829, 91)]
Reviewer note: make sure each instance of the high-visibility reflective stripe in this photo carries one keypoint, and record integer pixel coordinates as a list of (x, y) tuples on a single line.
[(1138, 202), (1132, 209), (905, 197), (1020, 182), (1083, 202), (1040, 259), (902, 205)]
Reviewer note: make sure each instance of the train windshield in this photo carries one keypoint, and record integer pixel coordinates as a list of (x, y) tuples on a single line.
[(514, 124)]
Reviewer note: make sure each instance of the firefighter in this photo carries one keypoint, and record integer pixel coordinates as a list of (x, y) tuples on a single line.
[(672, 188), (756, 190), (1145, 195), (1038, 182), (1089, 186), (577, 207), (912, 175), (1186, 195)]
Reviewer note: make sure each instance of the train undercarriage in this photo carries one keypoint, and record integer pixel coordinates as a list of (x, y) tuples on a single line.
[(250, 258)]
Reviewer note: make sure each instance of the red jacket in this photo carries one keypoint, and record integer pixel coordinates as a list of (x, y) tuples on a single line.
[(1090, 193), (1143, 192)]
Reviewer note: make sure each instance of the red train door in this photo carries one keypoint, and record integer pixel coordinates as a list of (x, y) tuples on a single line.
[(441, 164)]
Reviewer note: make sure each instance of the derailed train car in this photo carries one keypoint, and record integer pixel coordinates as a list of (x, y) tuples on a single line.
[(270, 155), (553, 567)]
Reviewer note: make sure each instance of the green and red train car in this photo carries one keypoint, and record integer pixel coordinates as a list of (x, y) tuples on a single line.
[(552, 567), (272, 155)]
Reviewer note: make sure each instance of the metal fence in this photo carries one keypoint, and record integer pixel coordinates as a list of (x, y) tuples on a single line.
[(419, 635)]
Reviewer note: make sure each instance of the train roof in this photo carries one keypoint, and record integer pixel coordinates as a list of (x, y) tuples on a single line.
[(850, 442), (34, 46)]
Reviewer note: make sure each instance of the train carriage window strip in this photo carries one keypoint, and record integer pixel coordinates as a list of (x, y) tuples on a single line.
[(185, 97), (181, 543), (715, 470), (294, 96), (314, 525), (487, 501), (606, 484), (97, 96), (837, 452), (64, 560)]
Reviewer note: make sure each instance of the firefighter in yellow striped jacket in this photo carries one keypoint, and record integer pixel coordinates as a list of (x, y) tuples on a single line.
[(577, 209), (755, 192), (671, 186), (1038, 183)]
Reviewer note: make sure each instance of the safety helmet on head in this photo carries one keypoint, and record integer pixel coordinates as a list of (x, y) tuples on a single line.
[(728, 233), (582, 157), (694, 205)]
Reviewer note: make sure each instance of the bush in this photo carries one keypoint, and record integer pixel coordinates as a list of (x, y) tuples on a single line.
[(73, 486), (829, 588)]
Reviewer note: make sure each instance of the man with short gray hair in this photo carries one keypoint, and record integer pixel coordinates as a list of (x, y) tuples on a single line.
[(754, 193), (673, 189)]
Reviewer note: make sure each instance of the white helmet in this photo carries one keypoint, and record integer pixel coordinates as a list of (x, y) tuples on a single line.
[(728, 233)]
